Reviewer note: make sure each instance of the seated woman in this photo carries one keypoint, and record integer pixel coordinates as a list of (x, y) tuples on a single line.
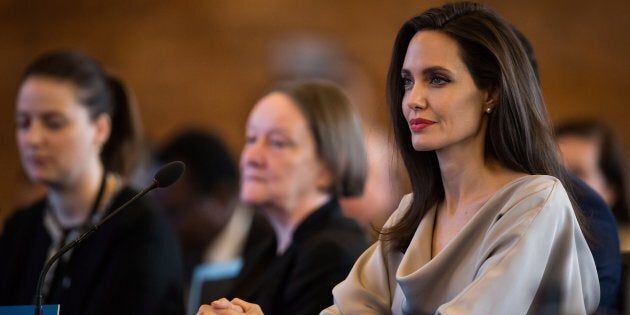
[(488, 210), (489, 228), (75, 132), (303, 150)]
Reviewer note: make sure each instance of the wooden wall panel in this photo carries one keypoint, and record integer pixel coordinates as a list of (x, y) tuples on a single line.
[(204, 62)]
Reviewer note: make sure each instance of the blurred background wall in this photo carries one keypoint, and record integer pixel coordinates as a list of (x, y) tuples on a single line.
[(205, 62)]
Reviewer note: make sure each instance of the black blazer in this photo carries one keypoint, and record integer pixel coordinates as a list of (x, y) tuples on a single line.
[(604, 244), (300, 281), (131, 265)]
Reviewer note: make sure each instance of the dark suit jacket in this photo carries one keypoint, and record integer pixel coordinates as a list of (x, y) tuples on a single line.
[(604, 244), (300, 281), (131, 265)]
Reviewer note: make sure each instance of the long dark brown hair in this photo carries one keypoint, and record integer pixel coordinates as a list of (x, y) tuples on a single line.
[(518, 136)]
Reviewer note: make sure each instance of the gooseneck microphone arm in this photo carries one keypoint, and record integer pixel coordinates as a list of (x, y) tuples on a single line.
[(38, 293), (165, 176)]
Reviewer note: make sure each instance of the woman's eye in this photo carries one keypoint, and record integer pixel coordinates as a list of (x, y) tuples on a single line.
[(278, 143), (438, 80), (407, 83), (22, 122), (54, 123), (250, 139)]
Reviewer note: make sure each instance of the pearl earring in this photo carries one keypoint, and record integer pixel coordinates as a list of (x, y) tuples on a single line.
[(488, 110)]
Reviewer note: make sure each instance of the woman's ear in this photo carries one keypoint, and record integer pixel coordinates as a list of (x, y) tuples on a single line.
[(325, 179), (490, 100), (491, 97), (609, 194), (103, 124)]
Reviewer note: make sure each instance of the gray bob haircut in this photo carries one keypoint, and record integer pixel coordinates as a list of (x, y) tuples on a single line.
[(336, 129)]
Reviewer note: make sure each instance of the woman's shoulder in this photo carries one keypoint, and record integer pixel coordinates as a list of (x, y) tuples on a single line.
[(403, 207), (20, 224), (531, 186), (144, 205), (141, 223), (143, 214), (535, 182), (341, 239), (29, 213), (533, 195)]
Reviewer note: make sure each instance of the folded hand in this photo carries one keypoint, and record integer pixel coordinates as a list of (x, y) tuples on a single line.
[(225, 307)]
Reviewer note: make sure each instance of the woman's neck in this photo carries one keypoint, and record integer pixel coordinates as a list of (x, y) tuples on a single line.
[(471, 179), (72, 203)]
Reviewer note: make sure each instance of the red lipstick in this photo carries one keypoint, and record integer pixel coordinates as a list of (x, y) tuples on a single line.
[(418, 124)]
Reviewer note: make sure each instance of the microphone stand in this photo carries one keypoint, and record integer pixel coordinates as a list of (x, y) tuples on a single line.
[(38, 291)]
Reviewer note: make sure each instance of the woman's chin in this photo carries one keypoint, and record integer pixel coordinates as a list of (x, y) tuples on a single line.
[(259, 202), (253, 199), (38, 178)]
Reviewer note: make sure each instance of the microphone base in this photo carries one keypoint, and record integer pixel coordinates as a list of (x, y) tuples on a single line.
[(48, 309)]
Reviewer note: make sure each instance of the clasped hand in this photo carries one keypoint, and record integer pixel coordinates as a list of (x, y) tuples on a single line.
[(225, 307)]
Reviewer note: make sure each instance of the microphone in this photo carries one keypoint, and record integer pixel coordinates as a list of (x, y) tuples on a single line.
[(165, 176)]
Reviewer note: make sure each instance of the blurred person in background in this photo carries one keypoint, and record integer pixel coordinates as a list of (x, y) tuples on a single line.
[(203, 205), (77, 132), (303, 151), (307, 56), (591, 151)]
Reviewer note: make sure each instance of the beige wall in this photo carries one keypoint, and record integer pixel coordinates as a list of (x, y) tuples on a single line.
[(204, 62)]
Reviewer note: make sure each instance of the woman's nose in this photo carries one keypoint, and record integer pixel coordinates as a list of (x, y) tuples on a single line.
[(253, 153), (416, 98)]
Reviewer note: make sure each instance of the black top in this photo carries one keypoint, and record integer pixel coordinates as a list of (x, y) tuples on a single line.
[(300, 281), (130, 265), (604, 244)]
